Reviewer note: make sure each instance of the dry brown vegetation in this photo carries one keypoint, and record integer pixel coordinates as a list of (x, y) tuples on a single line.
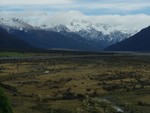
[(62, 85)]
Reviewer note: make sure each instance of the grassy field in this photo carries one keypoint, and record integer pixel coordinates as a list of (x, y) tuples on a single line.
[(10, 54), (77, 83)]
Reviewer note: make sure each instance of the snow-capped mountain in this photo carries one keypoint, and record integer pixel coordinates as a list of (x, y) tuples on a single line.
[(97, 33), (14, 23), (86, 29), (74, 25), (89, 31), (138, 42)]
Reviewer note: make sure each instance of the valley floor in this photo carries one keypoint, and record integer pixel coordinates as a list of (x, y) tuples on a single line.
[(76, 83)]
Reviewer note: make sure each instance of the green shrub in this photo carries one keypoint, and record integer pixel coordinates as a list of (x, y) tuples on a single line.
[(4, 104)]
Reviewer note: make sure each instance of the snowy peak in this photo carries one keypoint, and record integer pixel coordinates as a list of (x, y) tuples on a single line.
[(59, 28), (14, 23), (78, 25)]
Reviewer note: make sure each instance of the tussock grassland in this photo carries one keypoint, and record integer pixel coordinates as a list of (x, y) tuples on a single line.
[(104, 83)]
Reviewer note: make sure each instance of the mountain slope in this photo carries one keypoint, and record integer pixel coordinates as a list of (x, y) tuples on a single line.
[(10, 42), (138, 42), (52, 40)]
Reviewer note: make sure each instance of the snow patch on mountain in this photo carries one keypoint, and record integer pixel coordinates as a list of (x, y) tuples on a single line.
[(14, 23)]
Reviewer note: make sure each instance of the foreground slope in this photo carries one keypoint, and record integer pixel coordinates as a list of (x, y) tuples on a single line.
[(138, 42)]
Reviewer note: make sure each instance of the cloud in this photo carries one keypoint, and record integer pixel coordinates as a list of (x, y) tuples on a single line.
[(29, 2), (118, 6), (128, 22), (105, 11), (86, 6)]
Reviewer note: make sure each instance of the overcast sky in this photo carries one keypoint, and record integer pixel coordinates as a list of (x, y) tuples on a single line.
[(88, 7), (128, 14)]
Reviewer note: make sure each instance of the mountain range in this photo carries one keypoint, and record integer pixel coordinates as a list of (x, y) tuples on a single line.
[(75, 35)]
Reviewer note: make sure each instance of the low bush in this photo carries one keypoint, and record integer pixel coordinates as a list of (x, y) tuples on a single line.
[(4, 104)]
